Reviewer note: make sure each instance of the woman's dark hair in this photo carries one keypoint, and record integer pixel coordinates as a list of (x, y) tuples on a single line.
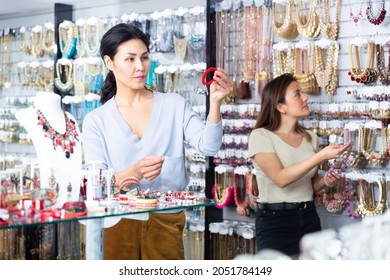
[(109, 44), (274, 93)]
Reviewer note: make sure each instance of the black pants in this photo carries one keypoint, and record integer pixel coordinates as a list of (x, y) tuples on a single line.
[(282, 230)]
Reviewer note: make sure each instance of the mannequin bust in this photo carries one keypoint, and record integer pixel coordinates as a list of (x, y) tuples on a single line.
[(57, 141)]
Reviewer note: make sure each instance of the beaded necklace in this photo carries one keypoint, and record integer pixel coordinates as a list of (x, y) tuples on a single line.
[(48, 38), (25, 44), (36, 42), (307, 25), (68, 75), (380, 15), (334, 199), (68, 39), (287, 29), (354, 17), (367, 205), (93, 34), (368, 74), (382, 71), (79, 76), (241, 190), (329, 29), (66, 140), (223, 190), (350, 195)]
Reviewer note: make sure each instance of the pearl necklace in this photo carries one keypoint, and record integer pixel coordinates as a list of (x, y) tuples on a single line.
[(68, 85)]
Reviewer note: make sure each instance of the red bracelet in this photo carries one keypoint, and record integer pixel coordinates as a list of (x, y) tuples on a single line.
[(74, 209), (211, 69)]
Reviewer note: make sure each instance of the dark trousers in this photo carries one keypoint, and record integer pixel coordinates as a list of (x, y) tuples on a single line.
[(282, 230)]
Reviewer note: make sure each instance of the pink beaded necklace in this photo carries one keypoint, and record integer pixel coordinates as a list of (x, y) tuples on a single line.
[(66, 140), (354, 17), (348, 201)]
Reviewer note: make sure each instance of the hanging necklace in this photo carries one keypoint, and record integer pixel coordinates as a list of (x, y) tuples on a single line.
[(66, 140), (284, 25), (350, 195), (382, 71), (67, 65), (329, 29), (367, 206), (354, 17), (25, 44), (36, 41), (48, 43), (380, 15)]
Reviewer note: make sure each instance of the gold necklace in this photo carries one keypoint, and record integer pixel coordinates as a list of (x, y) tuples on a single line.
[(308, 26), (359, 75), (25, 45), (283, 24), (329, 29), (36, 41), (46, 75), (326, 73), (367, 205), (5, 74)]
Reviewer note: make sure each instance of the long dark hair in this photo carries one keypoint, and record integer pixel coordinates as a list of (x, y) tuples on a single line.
[(274, 93), (109, 44)]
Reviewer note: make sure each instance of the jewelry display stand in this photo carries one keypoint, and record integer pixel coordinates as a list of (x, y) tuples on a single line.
[(59, 158)]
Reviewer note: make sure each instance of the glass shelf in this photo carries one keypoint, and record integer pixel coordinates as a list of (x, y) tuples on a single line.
[(104, 210)]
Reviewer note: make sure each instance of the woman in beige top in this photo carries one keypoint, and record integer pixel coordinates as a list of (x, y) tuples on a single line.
[(286, 158)]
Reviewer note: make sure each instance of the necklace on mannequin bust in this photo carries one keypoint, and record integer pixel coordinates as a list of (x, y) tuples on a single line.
[(66, 140)]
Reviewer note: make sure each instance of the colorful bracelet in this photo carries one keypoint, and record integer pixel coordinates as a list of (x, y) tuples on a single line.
[(74, 209), (211, 69), (129, 184)]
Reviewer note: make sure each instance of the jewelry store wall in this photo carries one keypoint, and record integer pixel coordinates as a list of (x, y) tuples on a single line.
[(30, 64), (339, 52), (250, 39)]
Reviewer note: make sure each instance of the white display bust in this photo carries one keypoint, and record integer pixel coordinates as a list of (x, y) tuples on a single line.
[(53, 160)]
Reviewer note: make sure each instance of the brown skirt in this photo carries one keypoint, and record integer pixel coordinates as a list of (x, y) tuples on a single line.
[(158, 238)]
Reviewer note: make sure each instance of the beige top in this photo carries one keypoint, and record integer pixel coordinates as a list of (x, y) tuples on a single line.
[(264, 141)]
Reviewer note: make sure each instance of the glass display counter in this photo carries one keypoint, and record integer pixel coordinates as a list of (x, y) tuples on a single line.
[(95, 218)]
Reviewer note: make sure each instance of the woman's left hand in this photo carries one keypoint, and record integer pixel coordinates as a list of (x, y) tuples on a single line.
[(331, 179), (221, 86)]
